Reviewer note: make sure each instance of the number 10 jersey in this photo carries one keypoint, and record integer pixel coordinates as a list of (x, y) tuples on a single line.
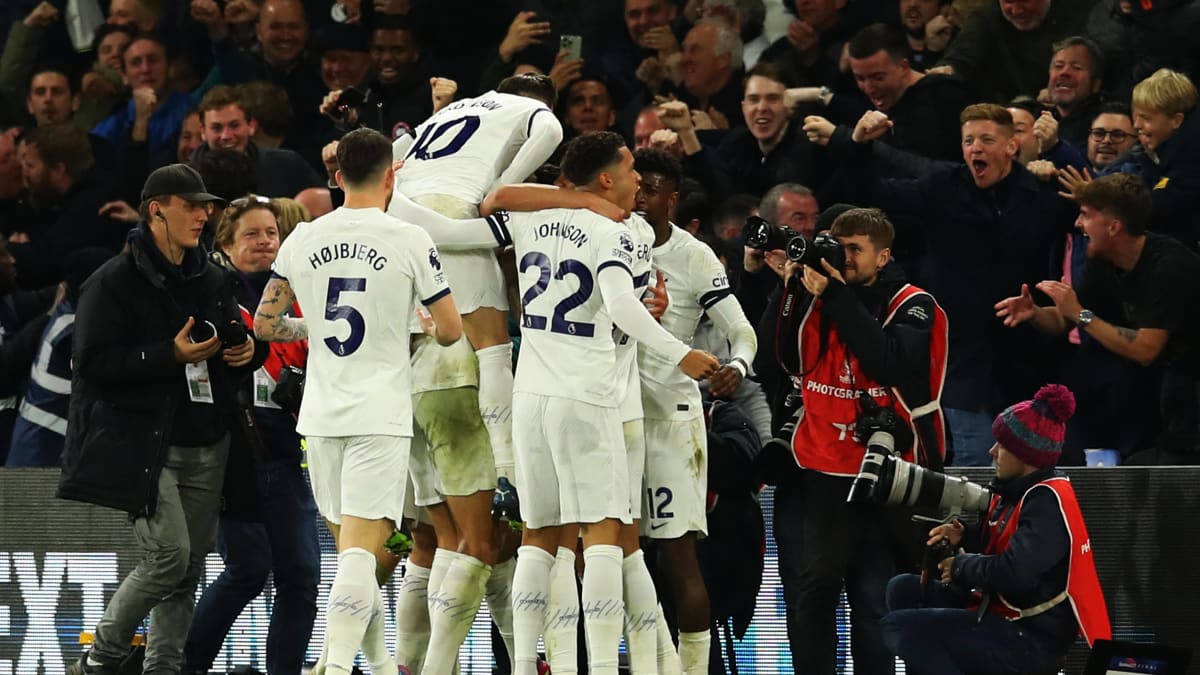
[(567, 348), (355, 273), (470, 145)]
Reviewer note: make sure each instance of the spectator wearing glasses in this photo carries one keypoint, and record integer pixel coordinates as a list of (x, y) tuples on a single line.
[(1110, 137), (1169, 136)]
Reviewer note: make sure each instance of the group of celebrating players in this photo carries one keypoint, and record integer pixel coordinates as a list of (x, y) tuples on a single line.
[(413, 411)]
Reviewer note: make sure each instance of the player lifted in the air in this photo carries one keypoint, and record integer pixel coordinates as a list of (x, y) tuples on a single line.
[(463, 393)]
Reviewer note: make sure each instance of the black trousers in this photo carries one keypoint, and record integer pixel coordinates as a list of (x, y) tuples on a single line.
[(826, 544)]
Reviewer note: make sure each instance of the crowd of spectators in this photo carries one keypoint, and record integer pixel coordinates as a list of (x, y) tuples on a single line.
[(974, 124)]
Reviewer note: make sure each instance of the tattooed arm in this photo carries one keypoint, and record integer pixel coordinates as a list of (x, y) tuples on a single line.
[(270, 322), (1141, 345)]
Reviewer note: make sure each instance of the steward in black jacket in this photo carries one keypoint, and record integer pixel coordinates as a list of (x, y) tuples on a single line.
[(128, 393)]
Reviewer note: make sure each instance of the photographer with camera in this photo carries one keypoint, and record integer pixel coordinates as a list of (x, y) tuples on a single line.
[(849, 324), (1018, 604), (158, 351), (269, 519)]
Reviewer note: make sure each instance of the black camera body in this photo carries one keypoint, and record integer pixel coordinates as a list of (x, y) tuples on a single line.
[(934, 554), (289, 390), (762, 235), (232, 334)]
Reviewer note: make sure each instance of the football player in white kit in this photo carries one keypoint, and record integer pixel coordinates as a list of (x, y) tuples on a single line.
[(566, 426), (457, 156), (463, 393), (676, 478), (354, 273)]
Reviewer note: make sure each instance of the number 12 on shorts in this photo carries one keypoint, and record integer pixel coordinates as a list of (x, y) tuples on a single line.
[(659, 500)]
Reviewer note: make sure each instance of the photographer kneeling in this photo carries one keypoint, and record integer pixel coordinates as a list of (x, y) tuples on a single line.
[(1035, 576), (845, 329)]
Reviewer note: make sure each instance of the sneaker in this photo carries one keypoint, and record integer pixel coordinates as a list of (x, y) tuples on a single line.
[(82, 667), (505, 503)]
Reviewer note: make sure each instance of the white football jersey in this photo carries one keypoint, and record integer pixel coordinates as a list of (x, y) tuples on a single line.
[(465, 147), (695, 280), (629, 390), (567, 347), (355, 273)]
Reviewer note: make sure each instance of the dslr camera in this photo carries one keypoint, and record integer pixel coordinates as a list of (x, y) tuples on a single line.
[(762, 235), (885, 478), (232, 334), (289, 390)]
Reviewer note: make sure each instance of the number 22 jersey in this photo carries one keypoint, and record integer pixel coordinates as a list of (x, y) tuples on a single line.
[(567, 348), (355, 273)]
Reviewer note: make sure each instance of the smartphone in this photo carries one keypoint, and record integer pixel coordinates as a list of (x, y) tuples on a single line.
[(572, 45)]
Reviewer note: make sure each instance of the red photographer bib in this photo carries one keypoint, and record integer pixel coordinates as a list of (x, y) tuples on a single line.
[(1083, 585), (831, 380)]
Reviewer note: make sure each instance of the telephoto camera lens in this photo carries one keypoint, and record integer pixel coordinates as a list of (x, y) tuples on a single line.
[(885, 478)]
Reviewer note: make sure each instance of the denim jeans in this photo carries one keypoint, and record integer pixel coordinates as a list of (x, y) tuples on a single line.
[(970, 436), (285, 542), (825, 544), (932, 633), (174, 543)]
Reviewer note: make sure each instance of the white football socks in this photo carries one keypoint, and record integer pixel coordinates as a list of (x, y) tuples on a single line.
[(693, 652), (498, 593), (495, 403), (603, 607), (452, 610), (562, 616), (668, 658), (641, 615), (531, 588), (352, 602), (412, 618), (374, 645)]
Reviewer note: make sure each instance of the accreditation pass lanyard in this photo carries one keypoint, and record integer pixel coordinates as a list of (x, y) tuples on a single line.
[(199, 386)]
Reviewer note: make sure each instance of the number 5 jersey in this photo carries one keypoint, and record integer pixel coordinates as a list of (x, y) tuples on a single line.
[(355, 273)]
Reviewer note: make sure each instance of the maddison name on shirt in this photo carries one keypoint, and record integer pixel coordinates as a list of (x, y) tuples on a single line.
[(348, 251)]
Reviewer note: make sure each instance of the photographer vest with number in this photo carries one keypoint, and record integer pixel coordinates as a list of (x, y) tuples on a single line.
[(1083, 585), (830, 378)]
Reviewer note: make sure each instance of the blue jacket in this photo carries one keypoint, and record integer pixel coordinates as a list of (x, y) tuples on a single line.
[(42, 421), (164, 126)]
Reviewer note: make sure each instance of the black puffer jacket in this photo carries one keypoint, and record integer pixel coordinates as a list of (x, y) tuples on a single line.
[(127, 391)]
